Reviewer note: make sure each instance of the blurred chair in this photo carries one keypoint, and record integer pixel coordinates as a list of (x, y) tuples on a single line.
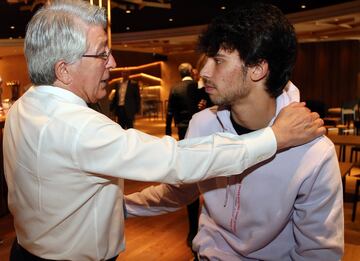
[(349, 111), (354, 152), (355, 149)]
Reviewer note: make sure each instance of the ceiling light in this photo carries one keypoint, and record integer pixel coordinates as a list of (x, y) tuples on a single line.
[(127, 28), (345, 26), (303, 6), (139, 67), (12, 27), (128, 11), (170, 20), (223, 7)]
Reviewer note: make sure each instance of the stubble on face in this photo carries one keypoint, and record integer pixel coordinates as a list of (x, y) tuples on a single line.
[(231, 86)]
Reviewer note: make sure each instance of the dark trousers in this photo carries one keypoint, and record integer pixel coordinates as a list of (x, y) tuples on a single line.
[(18, 253), (124, 121), (193, 219), (181, 132)]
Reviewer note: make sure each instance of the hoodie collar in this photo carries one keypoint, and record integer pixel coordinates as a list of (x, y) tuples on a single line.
[(290, 94)]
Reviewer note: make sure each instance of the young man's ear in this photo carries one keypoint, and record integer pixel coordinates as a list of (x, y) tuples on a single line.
[(259, 71), (62, 72)]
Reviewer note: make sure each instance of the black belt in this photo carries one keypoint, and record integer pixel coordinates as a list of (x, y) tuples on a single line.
[(18, 253)]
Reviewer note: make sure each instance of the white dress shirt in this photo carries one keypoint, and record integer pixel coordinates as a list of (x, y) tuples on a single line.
[(63, 162)]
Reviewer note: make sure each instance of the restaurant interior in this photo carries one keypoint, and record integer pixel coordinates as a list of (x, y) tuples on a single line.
[(150, 38)]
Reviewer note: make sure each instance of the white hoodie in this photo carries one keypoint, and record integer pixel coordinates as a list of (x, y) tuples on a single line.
[(288, 208)]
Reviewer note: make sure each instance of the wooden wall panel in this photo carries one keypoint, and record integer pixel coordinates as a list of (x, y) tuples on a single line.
[(328, 71), (325, 71)]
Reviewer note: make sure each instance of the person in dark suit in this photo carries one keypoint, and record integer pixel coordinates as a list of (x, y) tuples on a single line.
[(126, 102), (184, 101)]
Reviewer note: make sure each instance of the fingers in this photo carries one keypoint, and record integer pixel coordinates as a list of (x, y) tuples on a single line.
[(313, 120), (319, 125), (315, 116), (296, 125), (202, 104), (315, 128)]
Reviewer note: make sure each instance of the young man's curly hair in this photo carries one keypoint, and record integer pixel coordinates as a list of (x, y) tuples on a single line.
[(258, 32)]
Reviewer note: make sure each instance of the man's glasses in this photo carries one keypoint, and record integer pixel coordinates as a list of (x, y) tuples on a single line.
[(104, 55)]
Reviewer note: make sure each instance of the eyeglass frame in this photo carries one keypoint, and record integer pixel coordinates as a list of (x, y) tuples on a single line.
[(104, 55)]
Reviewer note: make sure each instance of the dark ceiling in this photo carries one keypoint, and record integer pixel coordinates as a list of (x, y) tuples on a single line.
[(14, 14)]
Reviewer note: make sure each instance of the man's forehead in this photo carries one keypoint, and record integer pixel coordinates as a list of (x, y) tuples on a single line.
[(97, 36), (227, 52)]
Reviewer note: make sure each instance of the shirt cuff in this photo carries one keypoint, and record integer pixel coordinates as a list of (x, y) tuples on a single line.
[(261, 144)]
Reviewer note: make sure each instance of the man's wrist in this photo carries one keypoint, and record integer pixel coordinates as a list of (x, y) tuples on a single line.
[(281, 144), (261, 144)]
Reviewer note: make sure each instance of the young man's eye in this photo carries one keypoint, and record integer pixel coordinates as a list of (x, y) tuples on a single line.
[(217, 61)]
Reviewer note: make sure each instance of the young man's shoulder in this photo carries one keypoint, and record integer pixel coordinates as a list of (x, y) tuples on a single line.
[(205, 115), (322, 142), (204, 122), (320, 149)]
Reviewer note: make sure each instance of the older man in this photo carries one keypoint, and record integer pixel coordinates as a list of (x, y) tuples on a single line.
[(63, 160)]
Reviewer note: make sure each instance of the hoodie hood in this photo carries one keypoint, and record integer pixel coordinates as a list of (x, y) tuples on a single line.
[(290, 94)]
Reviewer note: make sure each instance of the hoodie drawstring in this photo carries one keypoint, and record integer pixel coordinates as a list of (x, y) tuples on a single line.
[(227, 178)]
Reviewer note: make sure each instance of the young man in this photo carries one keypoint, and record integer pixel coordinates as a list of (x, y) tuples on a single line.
[(63, 160), (287, 208)]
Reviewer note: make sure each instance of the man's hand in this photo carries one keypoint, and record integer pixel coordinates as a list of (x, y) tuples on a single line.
[(296, 125), (202, 104)]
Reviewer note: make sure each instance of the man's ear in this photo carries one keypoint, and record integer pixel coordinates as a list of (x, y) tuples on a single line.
[(62, 72), (259, 71)]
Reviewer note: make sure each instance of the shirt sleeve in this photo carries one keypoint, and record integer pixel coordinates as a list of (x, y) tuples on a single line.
[(108, 150), (160, 199)]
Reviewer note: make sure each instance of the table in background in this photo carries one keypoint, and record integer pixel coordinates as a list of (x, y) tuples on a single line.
[(344, 140), (345, 168)]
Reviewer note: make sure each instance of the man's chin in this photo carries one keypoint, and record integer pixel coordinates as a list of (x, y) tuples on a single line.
[(216, 101), (101, 94), (213, 99)]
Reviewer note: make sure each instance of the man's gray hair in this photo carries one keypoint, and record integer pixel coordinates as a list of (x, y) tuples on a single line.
[(185, 69), (57, 32)]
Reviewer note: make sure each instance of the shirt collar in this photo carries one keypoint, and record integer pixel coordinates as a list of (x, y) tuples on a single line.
[(187, 78), (59, 92)]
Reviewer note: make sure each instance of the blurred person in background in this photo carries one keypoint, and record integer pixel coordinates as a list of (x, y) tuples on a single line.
[(183, 101), (126, 101)]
